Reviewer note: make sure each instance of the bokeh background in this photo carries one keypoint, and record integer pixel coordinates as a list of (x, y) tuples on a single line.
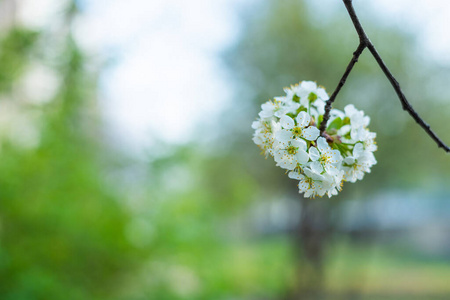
[(127, 169)]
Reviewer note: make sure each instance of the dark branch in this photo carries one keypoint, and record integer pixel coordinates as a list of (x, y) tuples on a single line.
[(341, 83), (365, 42), (405, 104), (359, 29)]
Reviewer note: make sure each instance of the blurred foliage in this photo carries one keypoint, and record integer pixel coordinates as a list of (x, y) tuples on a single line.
[(80, 221), (62, 224), (15, 52)]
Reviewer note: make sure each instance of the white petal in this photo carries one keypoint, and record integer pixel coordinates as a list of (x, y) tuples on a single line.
[(336, 113), (314, 153), (310, 173), (331, 169), (280, 112), (268, 106), (256, 124), (303, 119), (322, 144), (349, 160), (295, 175), (360, 175), (287, 122), (320, 92), (303, 185), (291, 108), (289, 163), (309, 85), (358, 150), (302, 156), (289, 93), (279, 154), (344, 130), (316, 167), (311, 133), (309, 194), (283, 135), (320, 106), (350, 110), (335, 156), (301, 144), (265, 114), (279, 145)]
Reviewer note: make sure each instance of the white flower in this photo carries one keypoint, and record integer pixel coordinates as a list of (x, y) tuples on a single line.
[(290, 155), (271, 109), (324, 157), (358, 122), (264, 135), (334, 183), (314, 184), (309, 92), (296, 130), (369, 141), (310, 183), (358, 163), (287, 131)]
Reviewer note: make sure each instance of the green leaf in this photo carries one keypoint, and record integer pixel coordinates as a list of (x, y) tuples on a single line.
[(312, 97), (291, 115), (301, 108), (336, 124), (319, 121)]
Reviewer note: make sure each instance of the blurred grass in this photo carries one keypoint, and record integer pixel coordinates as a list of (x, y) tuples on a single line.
[(385, 272)]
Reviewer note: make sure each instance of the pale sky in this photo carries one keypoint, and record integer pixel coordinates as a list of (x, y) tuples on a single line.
[(167, 76)]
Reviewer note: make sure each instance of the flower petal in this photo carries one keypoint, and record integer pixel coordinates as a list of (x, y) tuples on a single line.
[(322, 144), (299, 143), (358, 150), (269, 106), (303, 119), (331, 169), (295, 175), (311, 133), (335, 156), (320, 106), (314, 153), (316, 167), (303, 186), (288, 163), (283, 135), (308, 85), (256, 124), (322, 94), (349, 160), (302, 157), (313, 175), (344, 130), (350, 110), (287, 122), (265, 114)]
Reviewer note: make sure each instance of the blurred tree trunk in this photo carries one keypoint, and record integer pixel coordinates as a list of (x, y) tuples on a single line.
[(310, 239)]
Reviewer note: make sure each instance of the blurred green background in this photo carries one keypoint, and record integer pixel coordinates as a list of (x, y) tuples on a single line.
[(211, 218)]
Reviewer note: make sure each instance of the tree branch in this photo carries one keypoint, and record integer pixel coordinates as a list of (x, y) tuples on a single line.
[(366, 43), (326, 116)]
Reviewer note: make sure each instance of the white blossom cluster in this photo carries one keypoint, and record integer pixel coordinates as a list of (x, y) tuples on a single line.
[(287, 130)]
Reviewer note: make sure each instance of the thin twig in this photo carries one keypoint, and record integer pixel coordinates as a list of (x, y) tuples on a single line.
[(341, 83), (366, 43)]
